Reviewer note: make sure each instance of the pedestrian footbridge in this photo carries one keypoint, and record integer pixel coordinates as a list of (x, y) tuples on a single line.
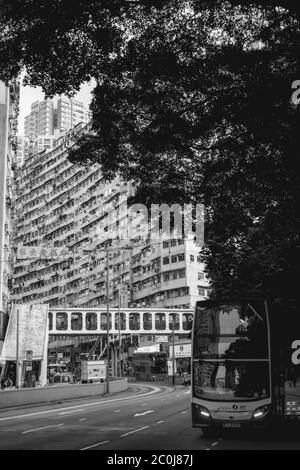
[(76, 321)]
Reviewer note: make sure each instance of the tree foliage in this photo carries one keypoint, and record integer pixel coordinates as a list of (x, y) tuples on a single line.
[(193, 102)]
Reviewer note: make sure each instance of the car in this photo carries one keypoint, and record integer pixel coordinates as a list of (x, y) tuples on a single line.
[(64, 378)]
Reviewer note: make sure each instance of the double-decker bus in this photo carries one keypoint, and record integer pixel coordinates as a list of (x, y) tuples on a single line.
[(146, 365), (245, 357)]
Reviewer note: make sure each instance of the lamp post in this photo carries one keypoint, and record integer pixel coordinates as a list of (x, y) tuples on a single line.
[(17, 354), (173, 347), (119, 317), (107, 319)]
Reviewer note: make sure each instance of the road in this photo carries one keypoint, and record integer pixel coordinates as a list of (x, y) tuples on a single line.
[(145, 417)]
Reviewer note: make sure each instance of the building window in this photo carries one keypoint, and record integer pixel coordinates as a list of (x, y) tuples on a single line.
[(182, 273), (181, 257), (200, 276), (147, 322), (174, 258), (122, 325), (76, 321), (134, 321), (173, 242), (91, 321), (166, 276), (201, 291), (160, 321), (165, 244), (166, 260), (192, 258)]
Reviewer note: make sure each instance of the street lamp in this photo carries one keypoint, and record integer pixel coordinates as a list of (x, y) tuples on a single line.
[(173, 347), (107, 320)]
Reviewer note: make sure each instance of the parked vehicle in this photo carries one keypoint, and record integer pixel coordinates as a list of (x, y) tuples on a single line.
[(93, 371), (64, 378)]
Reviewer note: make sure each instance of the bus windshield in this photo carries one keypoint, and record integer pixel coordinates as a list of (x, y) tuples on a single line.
[(230, 351)]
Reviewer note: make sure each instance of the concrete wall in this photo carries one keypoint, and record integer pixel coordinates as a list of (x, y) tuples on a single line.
[(27, 396)]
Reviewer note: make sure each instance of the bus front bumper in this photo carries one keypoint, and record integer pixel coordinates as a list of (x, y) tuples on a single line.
[(203, 418)]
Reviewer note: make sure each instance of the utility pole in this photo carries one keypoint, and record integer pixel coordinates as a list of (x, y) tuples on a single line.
[(17, 354), (173, 347), (107, 319), (119, 316)]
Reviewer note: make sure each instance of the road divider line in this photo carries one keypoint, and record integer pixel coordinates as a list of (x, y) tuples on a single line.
[(69, 412), (95, 445), (214, 443), (136, 430), (44, 427), (103, 402), (117, 411), (145, 413), (158, 422), (82, 419), (183, 412)]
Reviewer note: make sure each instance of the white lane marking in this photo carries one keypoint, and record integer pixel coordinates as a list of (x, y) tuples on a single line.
[(186, 393), (145, 413), (183, 412), (69, 412), (136, 430), (95, 445), (158, 422), (117, 411), (82, 419), (214, 443), (44, 427), (36, 413)]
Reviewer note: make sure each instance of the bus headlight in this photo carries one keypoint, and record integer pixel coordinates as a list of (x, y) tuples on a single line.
[(203, 411), (261, 412)]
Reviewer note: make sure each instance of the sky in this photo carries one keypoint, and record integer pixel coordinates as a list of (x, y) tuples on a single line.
[(28, 95)]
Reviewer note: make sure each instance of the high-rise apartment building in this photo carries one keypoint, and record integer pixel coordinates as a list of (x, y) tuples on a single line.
[(69, 113), (40, 119), (50, 119), (9, 109), (63, 205), (22, 150)]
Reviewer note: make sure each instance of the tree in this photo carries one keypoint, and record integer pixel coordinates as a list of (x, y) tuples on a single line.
[(193, 102)]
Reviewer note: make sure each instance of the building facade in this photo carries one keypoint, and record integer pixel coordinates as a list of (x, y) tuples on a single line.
[(9, 110), (50, 119), (60, 205)]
